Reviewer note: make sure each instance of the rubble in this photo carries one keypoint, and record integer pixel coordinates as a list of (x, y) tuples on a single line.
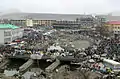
[(65, 46)]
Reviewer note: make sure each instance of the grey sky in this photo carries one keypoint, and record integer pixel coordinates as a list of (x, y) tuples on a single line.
[(61, 6)]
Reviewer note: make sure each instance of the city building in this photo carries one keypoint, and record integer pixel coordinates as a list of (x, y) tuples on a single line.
[(9, 33), (46, 19), (102, 19), (113, 27), (39, 22), (18, 22), (86, 21), (83, 21), (67, 24)]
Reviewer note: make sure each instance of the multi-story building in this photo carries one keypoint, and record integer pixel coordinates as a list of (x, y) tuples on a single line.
[(86, 20), (66, 24), (32, 22), (9, 33), (43, 22), (113, 27), (18, 22)]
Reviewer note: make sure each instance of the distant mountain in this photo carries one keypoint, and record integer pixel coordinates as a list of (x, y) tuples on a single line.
[(10, 11), (43, 16)]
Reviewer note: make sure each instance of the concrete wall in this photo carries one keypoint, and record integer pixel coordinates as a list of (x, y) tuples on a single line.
[(1, 36), (8, 37), (14, 34)]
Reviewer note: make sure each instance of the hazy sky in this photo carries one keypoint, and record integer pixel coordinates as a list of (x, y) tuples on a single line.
[(62, 6)]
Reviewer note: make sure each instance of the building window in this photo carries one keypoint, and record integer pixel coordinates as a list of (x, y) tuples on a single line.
[(7, 40), (115, 27), (7, 33)]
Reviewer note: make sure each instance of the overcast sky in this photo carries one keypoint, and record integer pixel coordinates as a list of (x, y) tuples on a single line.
[(61, 6)]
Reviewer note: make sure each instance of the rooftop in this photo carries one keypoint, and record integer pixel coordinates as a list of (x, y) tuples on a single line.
[(114, 22), (8, 26)]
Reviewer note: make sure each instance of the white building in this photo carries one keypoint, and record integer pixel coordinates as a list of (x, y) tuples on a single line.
[(29, 22), (8, 33)]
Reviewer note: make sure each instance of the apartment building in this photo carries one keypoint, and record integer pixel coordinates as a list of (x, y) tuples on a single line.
[(9, 33), (69, 24), (113, 27), (43, 22), (18, 22)]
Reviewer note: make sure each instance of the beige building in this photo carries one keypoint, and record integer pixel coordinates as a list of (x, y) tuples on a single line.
[(43, 22), (32, 22), (113, 27), (29, 22)]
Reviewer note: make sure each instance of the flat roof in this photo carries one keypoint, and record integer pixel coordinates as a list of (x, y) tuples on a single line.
[(8, 26)]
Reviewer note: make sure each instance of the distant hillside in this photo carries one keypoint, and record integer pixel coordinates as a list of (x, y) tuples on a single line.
[(9, 11), (43, 16)]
